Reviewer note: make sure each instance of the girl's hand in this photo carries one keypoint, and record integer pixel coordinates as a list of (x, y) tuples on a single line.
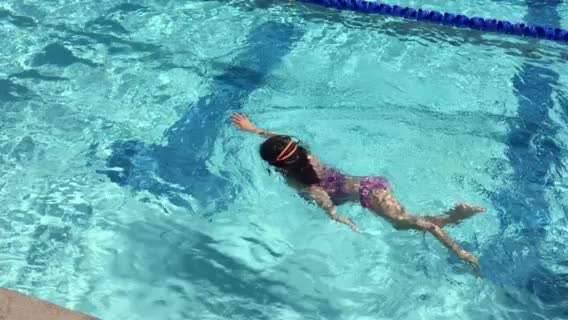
[(348, 222), (241, 121), (354, 227)]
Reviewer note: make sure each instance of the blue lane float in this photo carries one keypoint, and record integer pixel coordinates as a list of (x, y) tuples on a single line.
[(448, 19)]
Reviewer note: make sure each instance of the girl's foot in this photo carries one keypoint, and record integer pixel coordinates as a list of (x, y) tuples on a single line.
[(463, 211)]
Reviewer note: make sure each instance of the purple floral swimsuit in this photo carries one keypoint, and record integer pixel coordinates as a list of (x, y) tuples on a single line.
[(333, 180)]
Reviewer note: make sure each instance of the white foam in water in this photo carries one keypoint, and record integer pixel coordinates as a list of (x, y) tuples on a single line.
[(431, 115)]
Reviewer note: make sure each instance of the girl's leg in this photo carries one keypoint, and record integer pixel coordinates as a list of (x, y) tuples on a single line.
[(438, 233), (384, 204)]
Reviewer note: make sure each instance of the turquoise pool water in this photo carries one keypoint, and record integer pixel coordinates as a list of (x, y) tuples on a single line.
[(126, 195)]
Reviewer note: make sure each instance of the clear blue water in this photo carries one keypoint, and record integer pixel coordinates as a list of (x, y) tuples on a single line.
[(126, 194)]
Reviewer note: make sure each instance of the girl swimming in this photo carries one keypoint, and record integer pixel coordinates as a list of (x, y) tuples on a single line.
[(329, 188)]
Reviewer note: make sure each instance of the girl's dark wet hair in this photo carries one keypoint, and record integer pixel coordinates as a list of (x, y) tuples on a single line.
[(297, 167)]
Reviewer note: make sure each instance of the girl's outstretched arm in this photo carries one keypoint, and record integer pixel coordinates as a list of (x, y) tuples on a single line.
[(242, 122)]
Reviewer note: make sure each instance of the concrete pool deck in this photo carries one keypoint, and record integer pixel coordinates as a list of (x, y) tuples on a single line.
[(17, 306)]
